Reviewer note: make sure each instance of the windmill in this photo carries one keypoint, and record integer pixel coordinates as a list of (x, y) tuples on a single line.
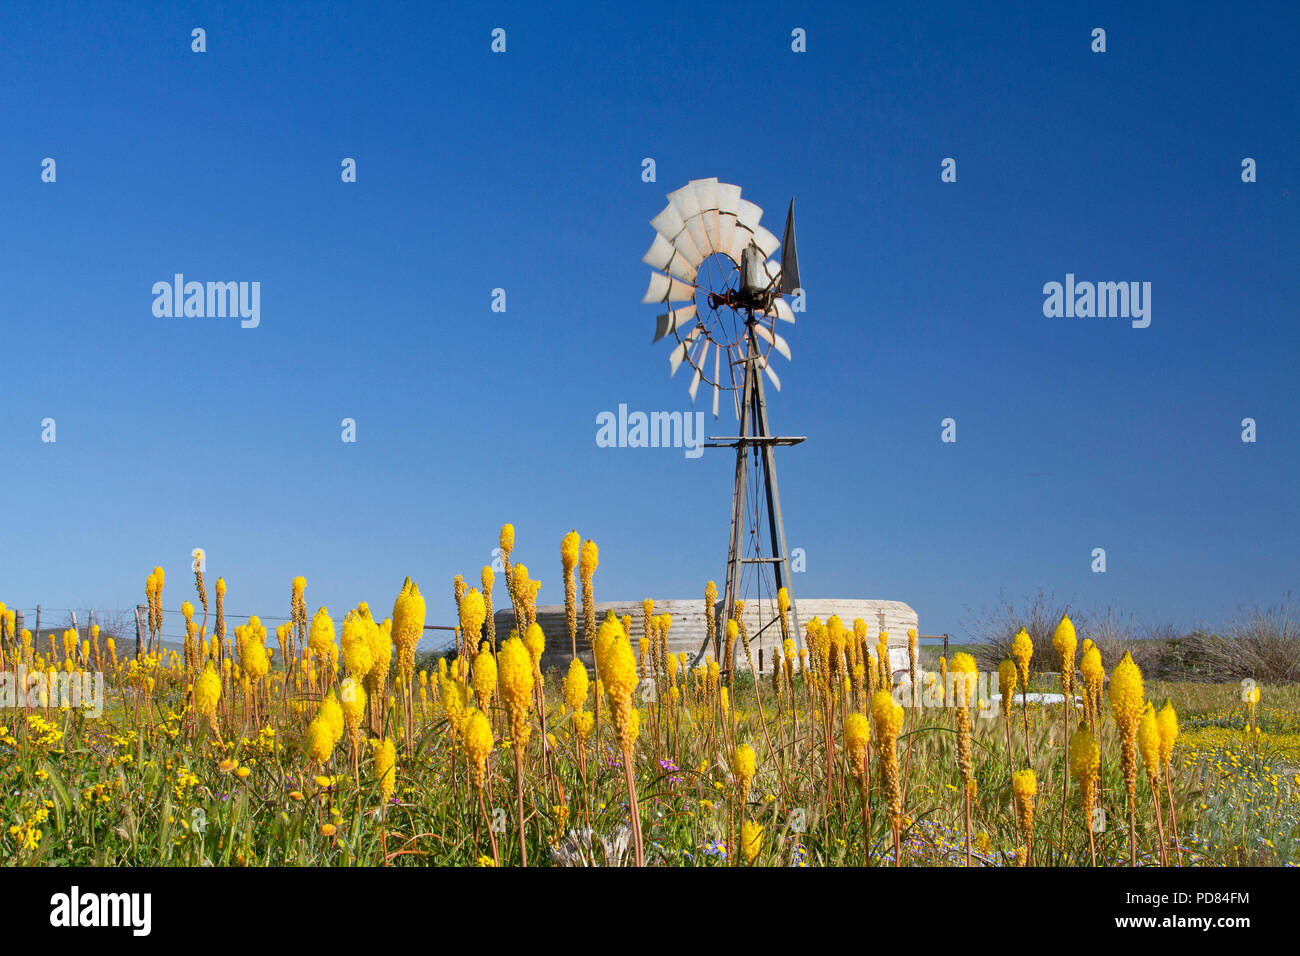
[(724, 295)]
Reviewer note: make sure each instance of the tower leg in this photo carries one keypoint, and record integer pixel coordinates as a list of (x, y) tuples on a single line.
[(734, 551), (775, 523)]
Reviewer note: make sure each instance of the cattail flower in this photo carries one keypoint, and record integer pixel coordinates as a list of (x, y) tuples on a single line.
[(485, 676), (320, 640), (1167, 725), (882, 657), (507, 542), (857, 737), (1024, 787), (386, 768), (1022, 650), (1007, 676), (751, 840), (514, 665), (1148, 741), (381, 653), (790, 656), (1127, 701), (589, 557), (618, 672), (319, 740), (965, 674), (352, 700), (887, 721), (535, 641), (207, 692), (570, 546), (332, 713), (488, 579), (1065, 641), (742, 768), (408, 625), (473, 612), (782, 607), (478, 744), (1085, 764), (1094, 675), (356, 644), (576, 685)]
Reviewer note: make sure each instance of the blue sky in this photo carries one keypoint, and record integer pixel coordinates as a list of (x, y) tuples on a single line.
[(522, 170)]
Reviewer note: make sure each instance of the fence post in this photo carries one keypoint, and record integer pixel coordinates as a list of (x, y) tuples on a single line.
[(945, 647), (37, 633), (139, 630)]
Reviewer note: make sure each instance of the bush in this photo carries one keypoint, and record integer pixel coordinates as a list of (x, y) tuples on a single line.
[(1263, 644)]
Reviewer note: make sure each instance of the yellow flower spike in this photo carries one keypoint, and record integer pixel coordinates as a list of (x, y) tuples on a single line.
[(478, 744), (857, 737), (1065, 641), (1024, 788), (1022, 650), (515, 670), (751, 840), (473, 612), (386, 768), (743, 766), (576, 685), (485, 676)]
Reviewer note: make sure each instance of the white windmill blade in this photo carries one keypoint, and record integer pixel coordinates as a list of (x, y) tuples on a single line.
[(706, 191), (670, 225), (726, 231), (679, 352), (686, 201), (663, 255), (773, 269), (740, 241), (728, 198), (772, 339), (748, 214), (766, 241), (664, 289), (672, 320), (699, 365), (783, 310), (695, 228), (776, 381)]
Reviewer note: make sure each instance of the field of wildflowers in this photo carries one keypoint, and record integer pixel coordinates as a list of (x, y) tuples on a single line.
[(339, 746)]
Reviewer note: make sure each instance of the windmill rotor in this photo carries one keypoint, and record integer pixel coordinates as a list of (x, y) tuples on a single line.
[(724, 291)]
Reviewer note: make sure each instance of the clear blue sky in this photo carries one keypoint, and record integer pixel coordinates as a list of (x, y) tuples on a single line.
[(522, 171)]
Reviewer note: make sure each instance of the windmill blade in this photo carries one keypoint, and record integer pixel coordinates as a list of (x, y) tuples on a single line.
[(748, 214), (664, 289), (783, 310), (772, 339), (699, 234), (726, 232), (740, 240), (766, 241), (679, 353), (672, 227), (776, 381), (789, 258), (673, 320), (663, 255), (773, 270), (728, 198), (699, 365), (706, 191)]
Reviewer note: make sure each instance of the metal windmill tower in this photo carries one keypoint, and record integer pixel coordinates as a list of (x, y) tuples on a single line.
[(724, 293)]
